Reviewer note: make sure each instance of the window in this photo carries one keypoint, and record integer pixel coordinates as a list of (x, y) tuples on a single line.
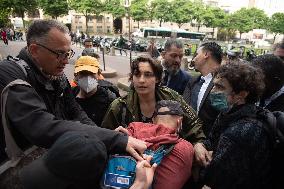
[(99, 19), (99, 29)]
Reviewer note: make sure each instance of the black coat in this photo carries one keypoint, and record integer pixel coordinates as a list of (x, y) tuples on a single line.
[(40, 114), (241, 151), (206, 113)]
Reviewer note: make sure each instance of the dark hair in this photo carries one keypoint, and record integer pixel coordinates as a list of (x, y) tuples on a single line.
[(214, 49), (271, 65), (88, 40), (243, 77), (38, 30), (174, 42), (279, 45), (155, 65)]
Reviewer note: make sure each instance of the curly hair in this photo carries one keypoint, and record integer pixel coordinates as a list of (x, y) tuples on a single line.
[(243, 77), (155, 65), (214, 49)]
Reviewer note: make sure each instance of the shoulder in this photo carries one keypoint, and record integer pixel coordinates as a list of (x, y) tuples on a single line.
[(10, 71), (246, 130)]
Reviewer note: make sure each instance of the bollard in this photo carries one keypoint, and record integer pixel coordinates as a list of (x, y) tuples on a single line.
[(112, 51)]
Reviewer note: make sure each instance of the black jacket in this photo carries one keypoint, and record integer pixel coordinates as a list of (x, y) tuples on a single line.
[(206, 113), (40, 114), (241, 151)]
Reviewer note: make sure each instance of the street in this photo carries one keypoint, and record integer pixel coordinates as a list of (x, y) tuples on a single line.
[(118, 62)]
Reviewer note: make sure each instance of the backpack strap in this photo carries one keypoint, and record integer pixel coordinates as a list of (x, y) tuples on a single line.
[(21, 63), (12, 149)]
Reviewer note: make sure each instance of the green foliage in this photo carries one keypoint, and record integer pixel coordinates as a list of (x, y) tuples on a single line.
[(19, 7), (180, 12), (115, 8), (4, 17), (276, 23), (138, 10), (54, 8), (87, 7), (199, 11), (244, 20), (162, 11)]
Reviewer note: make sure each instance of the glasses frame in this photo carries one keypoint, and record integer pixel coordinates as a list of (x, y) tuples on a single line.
[(60, 56)]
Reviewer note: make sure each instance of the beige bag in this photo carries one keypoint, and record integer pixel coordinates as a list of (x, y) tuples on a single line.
[(17, 157)]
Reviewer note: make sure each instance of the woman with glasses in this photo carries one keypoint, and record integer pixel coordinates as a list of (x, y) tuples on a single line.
[(139, 104)]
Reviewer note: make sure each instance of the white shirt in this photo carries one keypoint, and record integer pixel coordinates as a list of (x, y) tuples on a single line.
[(207, 80)]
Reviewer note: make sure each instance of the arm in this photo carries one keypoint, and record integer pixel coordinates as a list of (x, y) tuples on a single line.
[(31, 119), (192, 125)]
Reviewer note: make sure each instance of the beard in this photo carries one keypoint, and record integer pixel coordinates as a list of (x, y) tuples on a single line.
[(172, 69)]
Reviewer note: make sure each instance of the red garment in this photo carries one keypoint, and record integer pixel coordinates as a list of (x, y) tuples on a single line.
[(175, 168)]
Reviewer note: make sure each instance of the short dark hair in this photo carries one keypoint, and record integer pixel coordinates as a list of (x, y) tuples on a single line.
[(271, 65), (174, 42), (243, 77), (38, 30), (155, 65), (214, 49), (88, 40), (279, 45)]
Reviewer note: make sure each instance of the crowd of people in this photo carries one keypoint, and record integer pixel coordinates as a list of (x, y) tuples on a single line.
[(211, 127)]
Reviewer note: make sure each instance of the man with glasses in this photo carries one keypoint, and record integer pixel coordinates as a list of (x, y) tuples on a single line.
[(40, 113)]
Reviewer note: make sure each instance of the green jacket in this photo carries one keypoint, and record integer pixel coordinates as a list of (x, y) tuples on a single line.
[(125, 110)]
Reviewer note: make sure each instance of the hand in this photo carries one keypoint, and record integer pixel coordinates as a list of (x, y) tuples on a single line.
[(135, 148), (202, 156), (144, 174), (123, 130)]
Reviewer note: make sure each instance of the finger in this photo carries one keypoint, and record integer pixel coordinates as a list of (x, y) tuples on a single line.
[(135, 154)]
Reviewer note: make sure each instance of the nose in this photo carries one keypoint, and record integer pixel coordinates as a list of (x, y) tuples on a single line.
[(141, 78), (64, 61), (178, 59)]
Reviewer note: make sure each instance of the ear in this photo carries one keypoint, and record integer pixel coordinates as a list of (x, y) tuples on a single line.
[(33, 50), (242, 95)]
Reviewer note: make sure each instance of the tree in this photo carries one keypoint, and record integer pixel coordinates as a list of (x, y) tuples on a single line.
[(162, 10), (87, 7), (54, 8), (4, 17), (245, 20), (199, 11), (180, 10), (214, 17), (138, 10), (115, 8), (19, 7), (276, 24)]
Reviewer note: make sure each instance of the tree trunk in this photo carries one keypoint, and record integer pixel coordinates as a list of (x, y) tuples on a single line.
[(160, 23), (179, 25), (241, 35), (198, 27), (214, 33), (138, 24), (23, 19), (274, 38), (86, 17)]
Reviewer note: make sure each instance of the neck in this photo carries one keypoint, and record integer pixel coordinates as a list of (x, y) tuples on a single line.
[(147, 98), (210, 67)]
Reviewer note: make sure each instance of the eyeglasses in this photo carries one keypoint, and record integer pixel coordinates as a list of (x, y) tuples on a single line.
[(60, 55)]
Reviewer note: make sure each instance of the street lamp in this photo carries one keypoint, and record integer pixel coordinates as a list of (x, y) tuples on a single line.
[(127, 4)]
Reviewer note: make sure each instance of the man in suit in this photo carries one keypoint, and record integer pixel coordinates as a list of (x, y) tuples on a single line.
[(174, 77), (273, 69), (208, 57)]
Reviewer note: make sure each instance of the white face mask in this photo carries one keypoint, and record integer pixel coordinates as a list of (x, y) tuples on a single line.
[(88, 83)]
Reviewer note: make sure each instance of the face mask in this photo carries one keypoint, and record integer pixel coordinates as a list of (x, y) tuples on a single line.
[(88, 83), (219, 101)]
